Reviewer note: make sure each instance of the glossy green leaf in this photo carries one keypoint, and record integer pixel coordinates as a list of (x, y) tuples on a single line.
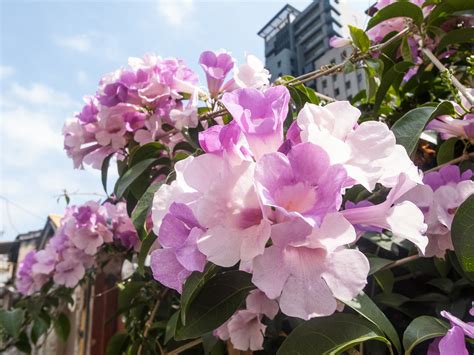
[(450, 8), (461, 35), (147, 151), (215, 303), (422, 329), (105, 170), (462, 234), (363, 305), (331, 335), (117, 344), (377, 263), (171, 327), (193, 285), (62, 327), (359, 38), (40, 326), (385, 280), (390, 77), (143, 207), (128, 292), (11, 321), (409, 127), (446, 151), (131, 175), (397, 9), (144, 250)]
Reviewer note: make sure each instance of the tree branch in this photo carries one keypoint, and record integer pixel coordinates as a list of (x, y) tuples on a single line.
[(185, 347), (465, 156)]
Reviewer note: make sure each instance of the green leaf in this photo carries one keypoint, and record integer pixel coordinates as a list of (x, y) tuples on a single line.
[(461, 35), (446, 151), (377, 263), (171, 327), (104, 171), (363, 305), (143, 207), (444, 284), (62, 327), (330, 335), (397, 9), (215, 303), (11, 321), (391, 76), (129, 291), (23, 343), (144, 249), (422, 329), (40, 326), (131, 175), (394, 300), (462, 232), (409, 127), (385, 280), (406, 50), (117, 344), (193, 285), (359, 38), (450, 8), (147, 151)]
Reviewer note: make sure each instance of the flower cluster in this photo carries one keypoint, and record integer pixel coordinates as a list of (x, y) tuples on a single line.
[(142, 103), (132, 104), (440, 196), (67, 255), (273, 203)]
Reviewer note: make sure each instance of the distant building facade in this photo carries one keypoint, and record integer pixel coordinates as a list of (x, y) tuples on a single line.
[(295, 39), (341, 86)]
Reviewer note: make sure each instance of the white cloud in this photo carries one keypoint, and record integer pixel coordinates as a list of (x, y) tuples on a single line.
[(39, 94), (353, 13), (176, 12), (80, 43), (6, 71)]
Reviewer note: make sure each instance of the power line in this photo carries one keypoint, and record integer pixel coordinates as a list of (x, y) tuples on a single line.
[(8, 201)]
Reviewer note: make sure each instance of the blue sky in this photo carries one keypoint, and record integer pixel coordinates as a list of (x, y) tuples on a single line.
[(52, 53)]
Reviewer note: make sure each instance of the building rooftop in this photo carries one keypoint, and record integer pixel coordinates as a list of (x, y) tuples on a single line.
[(278, 21)]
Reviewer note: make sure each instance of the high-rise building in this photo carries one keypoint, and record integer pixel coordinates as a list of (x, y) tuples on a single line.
[(295, 39)]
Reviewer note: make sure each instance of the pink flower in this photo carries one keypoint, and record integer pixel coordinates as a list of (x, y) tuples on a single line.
[(245, 329), (302, 184), (179, 255), (307, 269), (368, 151), (404, 218), (27, 281), (337, 42), (69, 272), (252, 74), (443, 192), (260, 116), (454, 341), (216, 66)]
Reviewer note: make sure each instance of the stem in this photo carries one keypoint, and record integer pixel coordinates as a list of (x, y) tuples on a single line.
[(149, 322), (453, 79), (355, 57), (185, 347), (400, 262), (463, 157)]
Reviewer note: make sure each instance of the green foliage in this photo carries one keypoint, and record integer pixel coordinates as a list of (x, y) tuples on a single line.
[(397, 9), (131, 175), (62, 326), (422, 329), (359, 38), (143, 207), (215, 302), (11, 321), (462, 232), (331, 335), (144, 250)]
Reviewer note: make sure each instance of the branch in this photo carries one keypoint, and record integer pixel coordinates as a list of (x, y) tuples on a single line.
[(400, 262), (355, 57), (453, 79), (463, 157), (185, 347), (149, 322)]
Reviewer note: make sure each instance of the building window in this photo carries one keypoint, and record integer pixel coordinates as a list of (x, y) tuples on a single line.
[(349, 98), (325, 84), (333, 61), (334, 78), (343, 55), (359, 77), (348, 85), (336, 92), (280, 74), (279, 64)]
